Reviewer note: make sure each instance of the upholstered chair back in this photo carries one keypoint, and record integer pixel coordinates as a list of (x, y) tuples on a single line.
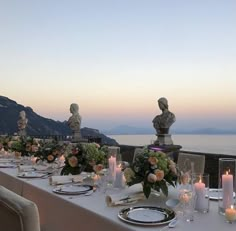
[(17, 213)]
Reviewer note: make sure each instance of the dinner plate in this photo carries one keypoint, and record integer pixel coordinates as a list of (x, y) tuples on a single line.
[(7, 165), (216, 194), (146, 215), (31, 175), (73, 189)]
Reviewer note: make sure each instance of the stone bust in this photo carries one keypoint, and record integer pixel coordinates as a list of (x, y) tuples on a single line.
[(163, 121), (74, 121), (22, 123)]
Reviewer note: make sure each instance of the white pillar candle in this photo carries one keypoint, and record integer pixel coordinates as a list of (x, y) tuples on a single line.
[(118, 183), (112, 166), (201, 203), (227, 188)]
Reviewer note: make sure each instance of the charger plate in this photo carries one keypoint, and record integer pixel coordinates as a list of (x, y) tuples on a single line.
[(73, 189), (31, 175), (7, 165), (146, 215), (216, 194)]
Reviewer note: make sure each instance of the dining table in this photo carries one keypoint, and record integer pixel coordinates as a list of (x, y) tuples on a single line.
[(80, 212)]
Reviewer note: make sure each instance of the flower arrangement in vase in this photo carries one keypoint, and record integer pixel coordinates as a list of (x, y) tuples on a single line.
[(154, 169), (49, 152), (22, 146), (87, 157)]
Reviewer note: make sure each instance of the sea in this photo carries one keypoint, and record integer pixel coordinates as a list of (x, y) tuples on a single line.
[(219, 144)]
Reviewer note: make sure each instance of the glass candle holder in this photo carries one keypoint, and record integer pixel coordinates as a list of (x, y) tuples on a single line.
[(113, 155), (230, 214), (201, 188), (226, 185)]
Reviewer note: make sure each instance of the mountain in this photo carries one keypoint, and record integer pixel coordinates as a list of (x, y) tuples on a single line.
[(38, 125)]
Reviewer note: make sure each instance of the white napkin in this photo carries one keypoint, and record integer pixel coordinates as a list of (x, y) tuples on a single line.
[(55, 180), (25, 168), (3, 160), (128, 195), (42, 167)]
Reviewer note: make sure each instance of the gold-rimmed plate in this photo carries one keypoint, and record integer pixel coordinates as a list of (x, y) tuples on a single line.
[(31, 175), (7, 165), (73, 189), (146, 215)]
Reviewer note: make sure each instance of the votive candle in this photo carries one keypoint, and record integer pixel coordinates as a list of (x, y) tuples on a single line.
[(230, 213)]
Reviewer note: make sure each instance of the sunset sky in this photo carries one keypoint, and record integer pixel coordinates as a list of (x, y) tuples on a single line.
[(115, 58)]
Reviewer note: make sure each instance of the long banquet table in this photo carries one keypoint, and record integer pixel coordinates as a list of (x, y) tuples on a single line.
[(61, 213)]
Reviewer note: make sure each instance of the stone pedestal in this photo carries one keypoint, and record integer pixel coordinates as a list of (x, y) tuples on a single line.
[(22, 133), (81, 140), (76, 136), (164, 139)]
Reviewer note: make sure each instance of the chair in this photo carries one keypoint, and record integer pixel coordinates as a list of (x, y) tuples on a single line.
[(17, 213), (137, 151), (191, 163)]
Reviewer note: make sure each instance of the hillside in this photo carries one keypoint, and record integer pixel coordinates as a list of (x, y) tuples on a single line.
[(38, 125)]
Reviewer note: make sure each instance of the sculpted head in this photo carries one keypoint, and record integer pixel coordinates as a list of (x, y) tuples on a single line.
[(163, 103), (74, 108), (22, 114)]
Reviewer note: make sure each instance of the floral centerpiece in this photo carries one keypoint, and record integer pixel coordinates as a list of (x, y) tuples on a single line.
[(49, 151), (24, 146), (85, 157), (154, 169)]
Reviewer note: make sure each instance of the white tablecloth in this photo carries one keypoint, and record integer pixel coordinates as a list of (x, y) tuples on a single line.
[(60, 212)]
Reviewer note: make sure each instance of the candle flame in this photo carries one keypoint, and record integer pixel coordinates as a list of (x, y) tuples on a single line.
[(200, 179), (231, 206)]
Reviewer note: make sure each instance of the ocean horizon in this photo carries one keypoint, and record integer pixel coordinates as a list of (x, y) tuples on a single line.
[(219, 144)]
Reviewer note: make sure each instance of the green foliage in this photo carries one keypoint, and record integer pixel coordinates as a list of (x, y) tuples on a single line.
[(155, 170), (84, 157), (49, 151)]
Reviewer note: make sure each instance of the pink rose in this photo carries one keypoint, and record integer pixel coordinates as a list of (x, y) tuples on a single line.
[(172, 167), (73, 161), (34, 148), (159, 174), (151, 178), (152, 160), (98, 168), (50, 158)]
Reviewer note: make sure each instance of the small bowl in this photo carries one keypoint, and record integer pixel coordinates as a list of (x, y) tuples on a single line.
[(172, 203)]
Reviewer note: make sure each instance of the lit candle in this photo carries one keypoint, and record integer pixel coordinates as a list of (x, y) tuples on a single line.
[(96, 178), (230, 213), (61, 160), (33, 160), (112, 166), (227, 188), (201, 203)]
